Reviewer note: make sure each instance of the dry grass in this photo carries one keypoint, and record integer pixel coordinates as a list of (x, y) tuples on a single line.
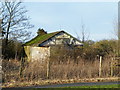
[(10, 70), (35, 72), (56, 81), (84, 69)]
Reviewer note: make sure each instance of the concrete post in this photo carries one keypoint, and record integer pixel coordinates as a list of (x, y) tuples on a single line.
[(100, 66)]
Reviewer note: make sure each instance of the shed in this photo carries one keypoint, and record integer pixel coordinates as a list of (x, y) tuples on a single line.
[(40, 47)]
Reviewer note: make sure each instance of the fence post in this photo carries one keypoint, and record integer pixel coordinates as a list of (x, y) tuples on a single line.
[(21, 67), (111, 71), (100, 66), (48, 68)]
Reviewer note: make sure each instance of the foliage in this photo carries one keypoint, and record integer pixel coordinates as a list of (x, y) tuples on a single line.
[(88, 51), (12, 50), (14, 24), (61, 53), (105, 47), (41, 32), (91, 49)]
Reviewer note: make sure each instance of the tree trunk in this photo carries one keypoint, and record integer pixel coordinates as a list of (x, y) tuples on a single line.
[(7, 33)]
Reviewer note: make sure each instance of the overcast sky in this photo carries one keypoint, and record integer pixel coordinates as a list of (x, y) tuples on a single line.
[(98, 17)]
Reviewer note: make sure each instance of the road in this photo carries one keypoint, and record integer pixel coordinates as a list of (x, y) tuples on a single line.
[(77, 84), (64, 85)]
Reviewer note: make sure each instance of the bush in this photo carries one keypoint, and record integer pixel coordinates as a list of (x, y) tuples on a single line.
[(11, 51)]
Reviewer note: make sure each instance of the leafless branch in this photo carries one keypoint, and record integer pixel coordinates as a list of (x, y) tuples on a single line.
[(14, 19)]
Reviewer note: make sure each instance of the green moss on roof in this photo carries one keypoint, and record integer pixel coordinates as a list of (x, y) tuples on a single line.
[(40, 39)]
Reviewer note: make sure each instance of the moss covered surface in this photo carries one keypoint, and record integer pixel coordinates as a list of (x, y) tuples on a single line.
[(40, 39)]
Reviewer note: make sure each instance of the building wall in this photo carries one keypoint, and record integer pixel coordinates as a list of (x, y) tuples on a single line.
[(37, 53)]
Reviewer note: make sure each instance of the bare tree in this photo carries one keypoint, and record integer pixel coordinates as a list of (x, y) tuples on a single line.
[(14, 21), (84, 35), (119, 21), (116, 31), (0, 28), (0, 41), (115, 26)]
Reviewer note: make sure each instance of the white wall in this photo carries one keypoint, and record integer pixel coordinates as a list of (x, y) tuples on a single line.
[(38, 53)]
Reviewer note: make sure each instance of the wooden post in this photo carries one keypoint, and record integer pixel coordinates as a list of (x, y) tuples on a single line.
[(48, 68), (21, 68), (111, 70), (100, 66), (21, 64)]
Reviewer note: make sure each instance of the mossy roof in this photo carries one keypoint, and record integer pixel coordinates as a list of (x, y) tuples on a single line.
[(40, 39)]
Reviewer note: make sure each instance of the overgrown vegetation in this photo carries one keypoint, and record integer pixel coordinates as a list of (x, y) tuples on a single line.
[(13, 50), (66, 61), (75, 63), (35, 71), (65, 64)]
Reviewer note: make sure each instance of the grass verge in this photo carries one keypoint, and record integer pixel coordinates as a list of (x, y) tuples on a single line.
[(52, 82), (97, 86)]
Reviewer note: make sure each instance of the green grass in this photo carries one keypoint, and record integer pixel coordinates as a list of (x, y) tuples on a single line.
[(109, 87), (97, 86)]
